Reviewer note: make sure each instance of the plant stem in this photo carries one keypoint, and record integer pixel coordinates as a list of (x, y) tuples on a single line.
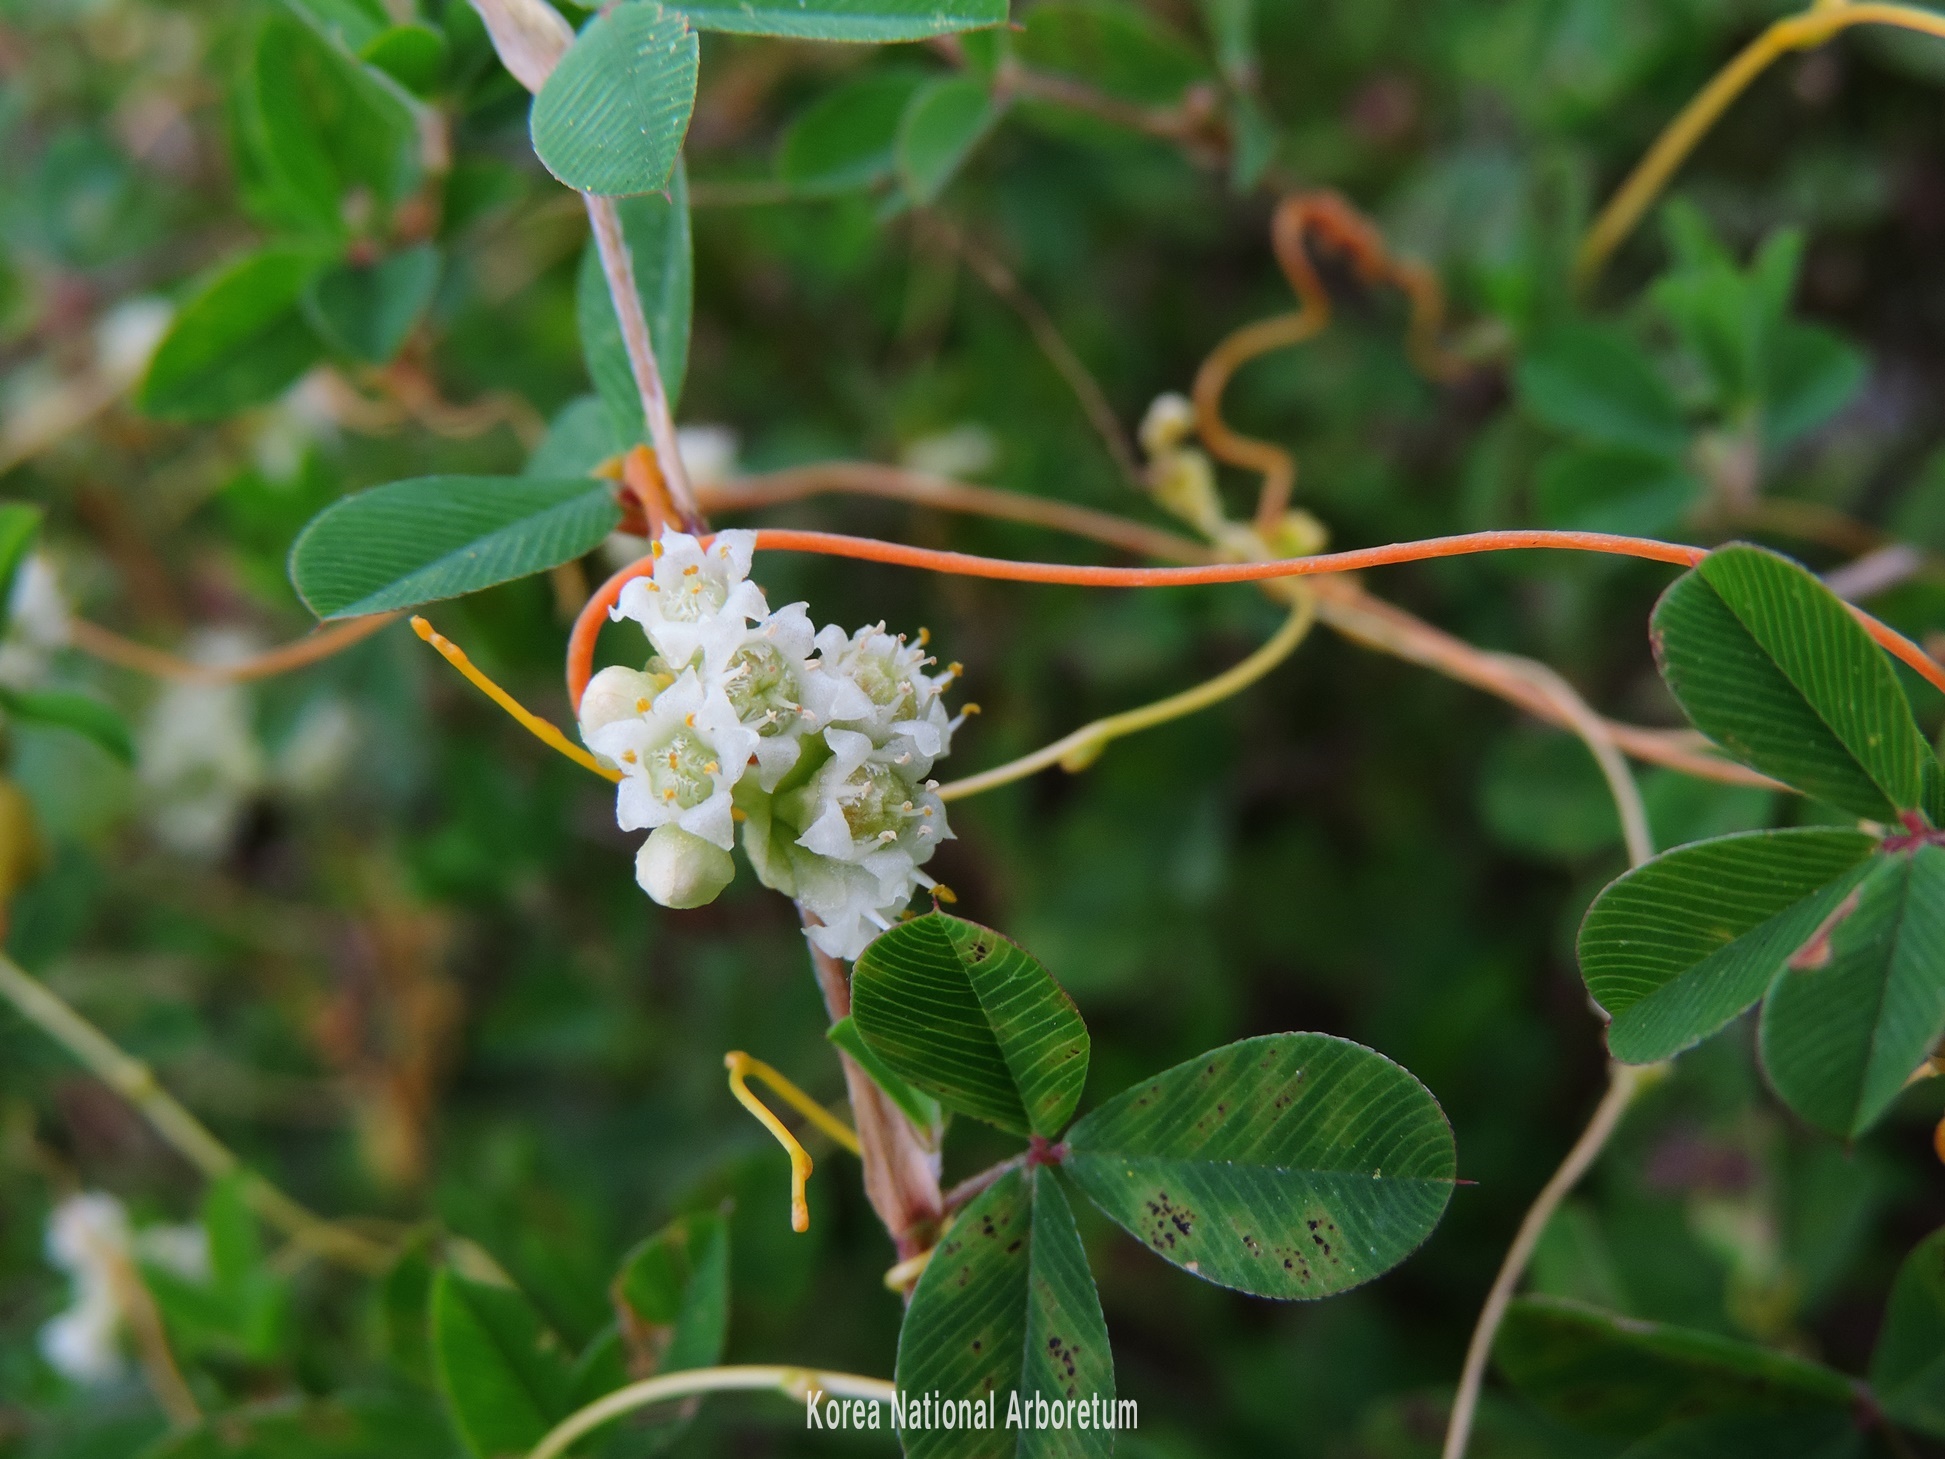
[(1800, 32), (1622, 1082), (797, 1383), (618, 265), (111, 647), (901, 1168), (189, 1136)]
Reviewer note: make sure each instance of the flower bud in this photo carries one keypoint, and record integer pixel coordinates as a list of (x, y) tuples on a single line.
[(679, 869), (1170, 421), (615, 694)]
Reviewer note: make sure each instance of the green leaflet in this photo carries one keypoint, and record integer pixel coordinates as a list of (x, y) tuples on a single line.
[(1291, 1165), (1772, 666), (1908, 1367), (501, 1370), (671, 1301), (367, 310), (921, 1109), (612, 116), (656, 228), (69, 710), (1122, 50), (844, 20), (672, 1293), (1614, 489), (970, 1017), (238, 342), (443, 536), (1817, 1434), (1859, 1008), (1593, 382), (20, 524), (1681, 945), (316, 129), (941, 126), (1606, 1374), (847, 139), (1007, 1307)]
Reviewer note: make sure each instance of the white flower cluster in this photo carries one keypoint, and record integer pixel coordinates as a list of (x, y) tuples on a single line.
[(820, 742)]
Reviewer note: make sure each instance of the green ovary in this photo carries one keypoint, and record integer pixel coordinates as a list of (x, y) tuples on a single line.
[(680, 771)]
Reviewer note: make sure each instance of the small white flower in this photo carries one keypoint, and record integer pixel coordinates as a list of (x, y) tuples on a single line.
[(680, 760), (696, 603), (871, 826), (875, 682)]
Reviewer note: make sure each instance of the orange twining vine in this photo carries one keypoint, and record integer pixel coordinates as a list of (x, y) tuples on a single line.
[(1329, 218), (587, 627)]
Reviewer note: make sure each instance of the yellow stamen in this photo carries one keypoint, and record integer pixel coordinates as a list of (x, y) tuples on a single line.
[(532, 723), (741, 1066), (655, 548)]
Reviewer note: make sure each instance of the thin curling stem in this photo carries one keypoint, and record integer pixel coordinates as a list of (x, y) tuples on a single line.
[(1332, 218), (112, 648), (794, 1383), (1623, 1081), (1076, 751), (1801, 32), (834, 544), (532, 723)]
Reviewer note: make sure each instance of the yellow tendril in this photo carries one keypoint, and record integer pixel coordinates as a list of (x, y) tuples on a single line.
[(1075, 752), (1803, 31), (532, 723), (741, 1068)]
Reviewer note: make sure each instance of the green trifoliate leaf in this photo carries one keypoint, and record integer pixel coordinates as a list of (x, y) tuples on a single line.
[(443, 536), (1771, 665), (612, 116), (1862, 1003), (1007, 1307), (967, 1016), (1606, 1374), (1678, 947), (1292, 1165)]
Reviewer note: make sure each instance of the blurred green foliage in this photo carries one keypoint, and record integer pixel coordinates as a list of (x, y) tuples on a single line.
[(392, 950)]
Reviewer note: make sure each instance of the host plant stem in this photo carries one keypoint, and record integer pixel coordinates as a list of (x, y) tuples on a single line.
[(189, 1136)]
